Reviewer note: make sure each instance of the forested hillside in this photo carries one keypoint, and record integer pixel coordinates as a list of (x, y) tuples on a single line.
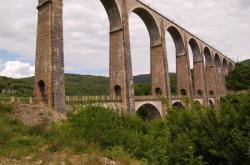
[(75, 84)]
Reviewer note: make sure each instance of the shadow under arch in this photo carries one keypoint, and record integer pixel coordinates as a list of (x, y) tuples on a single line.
[(217, 61), (150, 23), (113, 13), (225, 66), (208, 57), (196, 50), (177, 38), (42, 91), (148, 112), (178, 105)]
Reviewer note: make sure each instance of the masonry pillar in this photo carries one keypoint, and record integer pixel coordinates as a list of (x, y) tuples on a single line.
[(221, 81), (199, 80), (212, 83), (49, 69), (183, 73), (159, 68), (120, 69)]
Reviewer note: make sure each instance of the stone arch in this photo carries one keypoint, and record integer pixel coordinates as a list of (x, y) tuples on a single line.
[(178, 105), (225, 65), (118, 90), (178, 40), (114, 15), (211, 103), (199, 92), (183, 92), (195, 49), (217, 61), (42, 90), (208, 57), (148, 112), (158, 91), (211, 93), (150, 23)]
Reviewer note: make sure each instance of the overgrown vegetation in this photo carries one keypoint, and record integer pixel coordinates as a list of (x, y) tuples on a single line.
[(197, 136)]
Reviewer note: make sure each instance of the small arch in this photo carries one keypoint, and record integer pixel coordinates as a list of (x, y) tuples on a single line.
[(178, 105), (158, 91), (197, 103), (42, 90), (178, 41), (148, 112), (211, 104), (150, 23), (208, 57), (195, 49), (200, 92), (217, 61), (183, 92), (113, 14), (211, 93), (117, 90)]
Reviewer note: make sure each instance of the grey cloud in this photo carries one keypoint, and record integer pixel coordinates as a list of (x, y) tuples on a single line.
[(223, 24)]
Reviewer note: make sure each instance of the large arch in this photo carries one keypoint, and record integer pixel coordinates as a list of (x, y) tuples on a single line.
[(210, 70), (114, 15), (208, 57), (225, 66), (220, 75), (150, 23), (196, 50), (178, 40), (183, 79), (158, 64), (198, 78), (217, 61), (148, 112)]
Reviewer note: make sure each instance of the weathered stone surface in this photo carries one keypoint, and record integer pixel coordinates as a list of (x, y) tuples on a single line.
[(49, 77)]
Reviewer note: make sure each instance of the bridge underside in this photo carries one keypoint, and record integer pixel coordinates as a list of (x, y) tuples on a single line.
[(206, 85)]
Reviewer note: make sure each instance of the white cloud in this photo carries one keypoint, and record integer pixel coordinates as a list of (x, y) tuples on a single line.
[(17, 69)]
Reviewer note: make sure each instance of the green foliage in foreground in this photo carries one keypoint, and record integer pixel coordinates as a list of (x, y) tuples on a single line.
[(184, 137)]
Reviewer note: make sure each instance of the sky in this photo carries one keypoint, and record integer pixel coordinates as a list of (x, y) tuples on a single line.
[(223, 24)]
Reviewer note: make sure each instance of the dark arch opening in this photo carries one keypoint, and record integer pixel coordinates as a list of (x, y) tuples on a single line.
[(178, 106), (158, 91), (208, 57), (195, 50), (177, 38), (42, 90), (200, 92), (118, 91), (225, 64), (148, 112), (211, 104), (217, 61), (150, 23), (211, 93), (183, 92), (113, 14)]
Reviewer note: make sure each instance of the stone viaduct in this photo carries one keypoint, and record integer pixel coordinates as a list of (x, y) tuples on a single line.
[(209, 65)]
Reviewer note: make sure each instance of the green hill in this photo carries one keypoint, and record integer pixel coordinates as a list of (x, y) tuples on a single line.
[(75, 84), (239, 79)]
